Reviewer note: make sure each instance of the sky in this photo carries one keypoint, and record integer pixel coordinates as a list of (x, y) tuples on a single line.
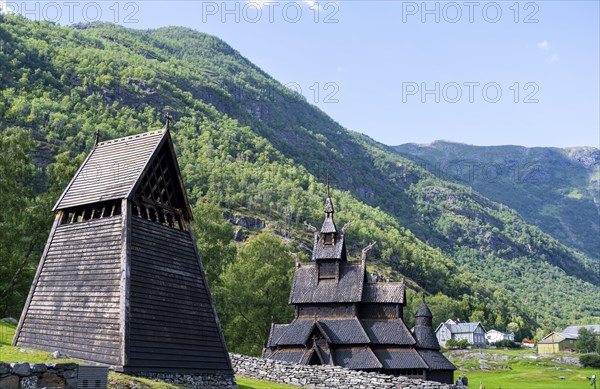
[(477, 72)]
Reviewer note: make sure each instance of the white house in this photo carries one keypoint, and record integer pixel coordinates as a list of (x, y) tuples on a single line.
[(494, 336), (474, 333)]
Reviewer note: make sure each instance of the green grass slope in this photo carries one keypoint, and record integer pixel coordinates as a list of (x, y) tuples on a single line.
[(520, 369)]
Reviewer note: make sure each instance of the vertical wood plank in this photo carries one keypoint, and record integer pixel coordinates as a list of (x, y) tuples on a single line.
[(57, 218)]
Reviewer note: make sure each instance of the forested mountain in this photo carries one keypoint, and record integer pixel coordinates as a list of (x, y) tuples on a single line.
[(555, 189), (252, 147)]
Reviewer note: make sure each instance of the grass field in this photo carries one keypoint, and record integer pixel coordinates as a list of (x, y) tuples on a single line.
[(527, 370), (121, 381)]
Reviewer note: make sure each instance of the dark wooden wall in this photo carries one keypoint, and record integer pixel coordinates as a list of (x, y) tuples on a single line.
[(172, 326), (75, 303)]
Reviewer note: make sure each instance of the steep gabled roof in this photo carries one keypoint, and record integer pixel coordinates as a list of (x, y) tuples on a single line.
[(344, 331), (564, 335), (113, 169), (384, 292), (306, 287), (295, 333), (461, 328), (360, 358)]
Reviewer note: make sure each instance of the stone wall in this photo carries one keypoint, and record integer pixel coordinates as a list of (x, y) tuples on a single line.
[(323, 376), (38, 375), (196, 381)]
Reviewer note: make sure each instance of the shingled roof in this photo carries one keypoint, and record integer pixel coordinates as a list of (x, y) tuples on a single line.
[(400, 358), (426, 338), (384, 292), (388, 332), (361, 358), (113, 168), (345, 331), (295, 333), (335, 251), (306, 287), (423, 330), (436, 360), (288, 355), (276, 331)]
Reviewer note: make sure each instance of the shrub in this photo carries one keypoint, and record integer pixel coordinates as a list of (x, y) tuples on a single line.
[(453, 344), (506, 343), (590, 360)]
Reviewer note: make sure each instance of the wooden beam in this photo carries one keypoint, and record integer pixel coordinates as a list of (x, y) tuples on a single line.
[(124, 284)]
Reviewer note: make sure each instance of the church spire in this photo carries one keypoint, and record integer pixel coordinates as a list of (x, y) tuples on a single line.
[(328, 224), (423, 330)]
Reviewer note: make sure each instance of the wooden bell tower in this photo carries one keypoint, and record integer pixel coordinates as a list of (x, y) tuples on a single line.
[(120, 280)]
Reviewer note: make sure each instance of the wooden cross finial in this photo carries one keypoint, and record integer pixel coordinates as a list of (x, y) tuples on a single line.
[(168, 120), (327, 184), (97, 137)]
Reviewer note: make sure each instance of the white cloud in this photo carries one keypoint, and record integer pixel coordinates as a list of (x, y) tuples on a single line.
[(311, 3), (546, 47)]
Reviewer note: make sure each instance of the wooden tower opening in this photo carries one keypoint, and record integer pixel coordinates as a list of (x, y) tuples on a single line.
[(120, 281)]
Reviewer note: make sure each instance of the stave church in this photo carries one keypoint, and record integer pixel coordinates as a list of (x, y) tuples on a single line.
[(343, 319)]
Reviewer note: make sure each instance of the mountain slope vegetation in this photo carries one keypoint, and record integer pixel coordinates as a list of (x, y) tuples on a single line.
[(249, 145), (555, 189)]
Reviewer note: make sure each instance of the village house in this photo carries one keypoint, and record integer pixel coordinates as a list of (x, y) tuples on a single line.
[(556, 342), (474, 333), (343, 319), (495, 336)]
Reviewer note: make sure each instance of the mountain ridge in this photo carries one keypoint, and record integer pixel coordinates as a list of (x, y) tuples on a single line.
[(558, 187), (257, 148)]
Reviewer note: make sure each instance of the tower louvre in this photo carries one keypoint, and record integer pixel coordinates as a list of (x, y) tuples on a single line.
[(120, 281)]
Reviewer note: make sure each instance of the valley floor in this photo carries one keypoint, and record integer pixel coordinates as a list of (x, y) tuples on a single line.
[(496, 369), (521, 369)]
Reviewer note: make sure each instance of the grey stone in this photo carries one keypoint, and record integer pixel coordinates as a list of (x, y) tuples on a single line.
[(65, 366), (10, 382), (11, 320), (70, 374), (4, 368), (38, 368), (21, 369), (30, 382), (59, 355), (71, 383)]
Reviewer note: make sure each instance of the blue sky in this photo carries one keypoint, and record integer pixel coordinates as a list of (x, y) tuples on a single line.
[(478, 72)]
